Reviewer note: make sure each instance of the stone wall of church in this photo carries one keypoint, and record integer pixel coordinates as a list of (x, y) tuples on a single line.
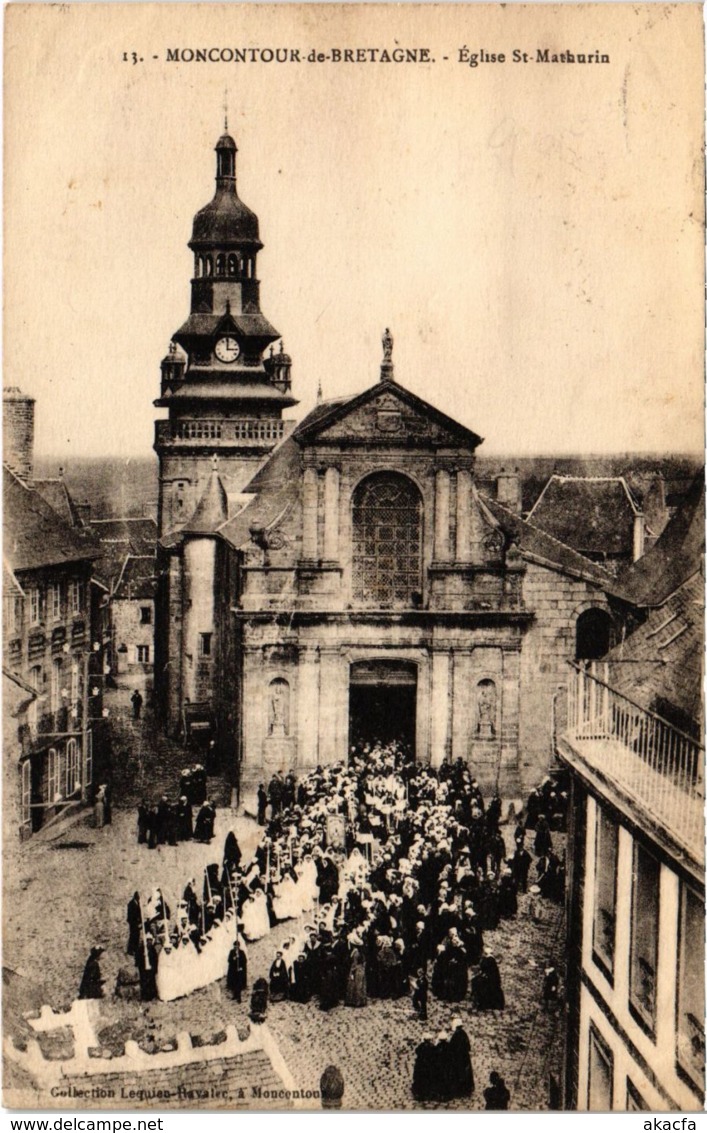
[(557, 601), (296, 694)]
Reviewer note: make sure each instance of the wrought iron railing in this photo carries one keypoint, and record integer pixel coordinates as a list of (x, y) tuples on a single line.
[(656, 763)]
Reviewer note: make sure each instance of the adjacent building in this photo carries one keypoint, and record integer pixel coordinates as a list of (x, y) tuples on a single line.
[(636, 894)]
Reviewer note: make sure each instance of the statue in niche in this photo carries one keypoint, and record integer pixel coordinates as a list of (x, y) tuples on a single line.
[(486, 710), (493, 546), (279, 722)]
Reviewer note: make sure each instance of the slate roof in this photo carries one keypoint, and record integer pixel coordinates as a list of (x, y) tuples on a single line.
[(673, 558), (212, 509), (119, 537), (594, 515), (660, 664), (137, 578), (538, 545), (57, 495), (34, 535)]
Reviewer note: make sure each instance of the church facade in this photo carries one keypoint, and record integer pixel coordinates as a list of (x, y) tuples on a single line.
[(344, 580)]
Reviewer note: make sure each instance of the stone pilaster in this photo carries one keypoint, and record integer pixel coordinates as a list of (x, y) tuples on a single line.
[(463, 549), (442, 496), (310, 501), (308, 708), (439, 706), (331, 514)]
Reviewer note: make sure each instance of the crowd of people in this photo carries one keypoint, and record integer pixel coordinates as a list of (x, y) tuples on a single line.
[(392, 876), (191, 816)]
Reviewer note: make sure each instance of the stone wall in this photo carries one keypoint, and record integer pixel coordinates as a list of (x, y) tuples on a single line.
[(557, 600)]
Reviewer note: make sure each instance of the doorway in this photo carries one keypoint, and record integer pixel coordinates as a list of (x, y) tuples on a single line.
[(383, 703)]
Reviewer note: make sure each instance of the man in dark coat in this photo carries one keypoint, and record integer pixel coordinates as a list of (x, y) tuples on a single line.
[(163, 820), (279, 979), (420, 994), (237, 975), (92, 981), (460, 1060), (496, 1093), (143, 822), (146, 963), (262, 804), (136, 701), (520, 866), (204, 826)]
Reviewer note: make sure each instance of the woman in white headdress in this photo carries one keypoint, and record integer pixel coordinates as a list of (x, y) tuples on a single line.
[(254, 916)]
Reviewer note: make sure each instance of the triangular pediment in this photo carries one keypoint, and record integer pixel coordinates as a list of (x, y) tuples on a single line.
[(388, 413)]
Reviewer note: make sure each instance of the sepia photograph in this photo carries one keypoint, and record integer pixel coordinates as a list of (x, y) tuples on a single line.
[(353, 575)]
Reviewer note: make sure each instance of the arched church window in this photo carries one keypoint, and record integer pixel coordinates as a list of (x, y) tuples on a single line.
[(593, 634), (233, 264), (279, 708), (220, 264), (387, 541)]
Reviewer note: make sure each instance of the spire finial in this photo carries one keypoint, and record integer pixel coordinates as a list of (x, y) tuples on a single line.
[(228, 306), (319, 391), (387, 367), (225, 110), (214, 463)]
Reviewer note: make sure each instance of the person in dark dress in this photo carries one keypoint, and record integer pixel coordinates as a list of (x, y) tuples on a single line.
[(204, 827), (487, 992), (146, 964), (163, 820), (143, 822), (237, 974), (92, 981), (496, 1093), (134, 919), (136, 701), (231, 852), (329, 981), (520, 867), (356, 982), (543, 838), (422, 1075), (262, 804), (185, 820), (460, 1059), (279, 979)]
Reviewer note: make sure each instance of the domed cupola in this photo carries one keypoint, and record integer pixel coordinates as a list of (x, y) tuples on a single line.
[(225, 221)]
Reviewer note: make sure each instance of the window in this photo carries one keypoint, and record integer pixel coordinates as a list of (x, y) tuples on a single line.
[(73, 777), (56, 690), (691, 987), (75, 688), (179, 500), (54, 601), (35, 606), (601, 1073), (142, 654), (644, 936), (607, 844), (593, 632), (146, 615), (26, 793), (205, 644), (35, 680), (75, 596), (387, 541), (52, 777)]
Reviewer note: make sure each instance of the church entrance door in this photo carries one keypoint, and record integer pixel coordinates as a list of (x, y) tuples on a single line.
[(382, 703)]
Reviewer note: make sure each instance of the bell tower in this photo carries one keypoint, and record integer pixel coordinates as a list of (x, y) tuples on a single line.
[(222, 396)]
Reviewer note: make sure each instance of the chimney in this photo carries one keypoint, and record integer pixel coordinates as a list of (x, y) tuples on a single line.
[(508, 490), (83, 512), (18, 432), (639, 534)]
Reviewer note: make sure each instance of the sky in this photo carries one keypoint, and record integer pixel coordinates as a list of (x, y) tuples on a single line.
[(531, 233)]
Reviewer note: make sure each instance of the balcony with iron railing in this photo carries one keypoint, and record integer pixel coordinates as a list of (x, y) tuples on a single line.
[(219, 433), (656, 769)]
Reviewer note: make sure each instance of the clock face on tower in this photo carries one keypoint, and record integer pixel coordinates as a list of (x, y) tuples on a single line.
[(227, 349)]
